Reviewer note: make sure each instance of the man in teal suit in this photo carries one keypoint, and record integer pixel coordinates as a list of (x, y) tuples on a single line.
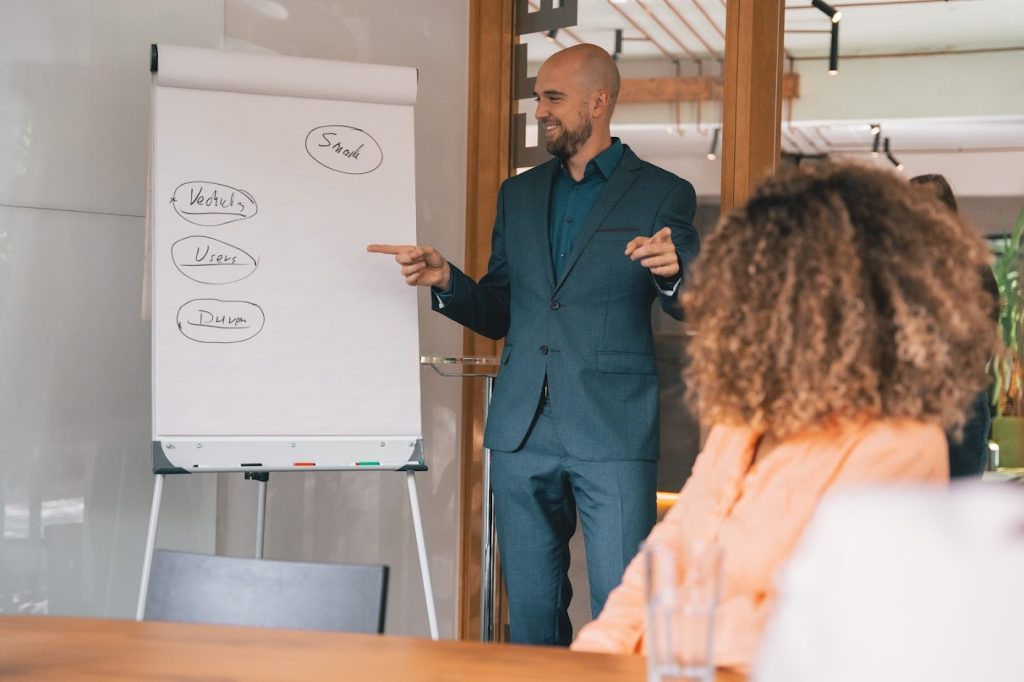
[(581, 247)]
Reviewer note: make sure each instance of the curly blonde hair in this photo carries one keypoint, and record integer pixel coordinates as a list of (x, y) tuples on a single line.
[(839, 292)]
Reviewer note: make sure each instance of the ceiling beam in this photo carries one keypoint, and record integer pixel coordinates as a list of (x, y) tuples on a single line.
[(696, 34), (640, 28), (688, 89)]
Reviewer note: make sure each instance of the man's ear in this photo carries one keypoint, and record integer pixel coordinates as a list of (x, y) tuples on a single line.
[(599, 103)]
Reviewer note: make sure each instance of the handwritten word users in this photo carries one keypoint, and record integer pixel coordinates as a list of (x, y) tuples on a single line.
[(211, 261)]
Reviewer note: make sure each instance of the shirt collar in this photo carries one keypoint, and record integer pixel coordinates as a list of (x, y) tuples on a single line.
[(605, 162)]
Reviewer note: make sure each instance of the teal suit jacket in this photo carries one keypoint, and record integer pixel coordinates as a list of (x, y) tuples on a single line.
[(590, 331)]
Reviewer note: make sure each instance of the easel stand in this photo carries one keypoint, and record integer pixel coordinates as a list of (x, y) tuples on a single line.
[(487, 367), (263, 479)]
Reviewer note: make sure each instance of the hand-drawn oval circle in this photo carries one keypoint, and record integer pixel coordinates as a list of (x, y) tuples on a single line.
[(210, 203), (211, 320), (211, 261), (344, 149)]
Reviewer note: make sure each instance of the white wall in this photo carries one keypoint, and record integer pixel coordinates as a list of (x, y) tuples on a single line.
[(75, 471), (984, 84)]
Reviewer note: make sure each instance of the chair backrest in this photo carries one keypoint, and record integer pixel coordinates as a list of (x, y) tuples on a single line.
[(198, 588)]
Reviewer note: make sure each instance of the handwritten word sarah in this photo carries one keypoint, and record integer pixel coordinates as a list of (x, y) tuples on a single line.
[(344, 149), (337, 146)]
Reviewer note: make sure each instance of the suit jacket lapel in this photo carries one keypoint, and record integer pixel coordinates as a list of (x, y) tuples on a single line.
[(538, 219), (619, 183)]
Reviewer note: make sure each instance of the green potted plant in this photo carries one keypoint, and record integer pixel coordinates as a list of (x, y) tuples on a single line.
[(1007, 365)]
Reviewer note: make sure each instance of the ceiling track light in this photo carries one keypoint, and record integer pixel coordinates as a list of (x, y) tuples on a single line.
[(889, 155), (618, 44), (876, 130), (831, 12), (894, 161), (833, 51), (834, 16), (551, 35), (713, 151)]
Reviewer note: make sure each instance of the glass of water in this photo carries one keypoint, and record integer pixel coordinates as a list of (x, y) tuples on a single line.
[(683, 589)]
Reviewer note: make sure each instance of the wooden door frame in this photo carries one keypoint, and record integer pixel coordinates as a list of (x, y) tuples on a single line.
[(488, 163), (752, 108), (752, 97)]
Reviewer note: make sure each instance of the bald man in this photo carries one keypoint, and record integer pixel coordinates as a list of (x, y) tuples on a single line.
[(581, 247)]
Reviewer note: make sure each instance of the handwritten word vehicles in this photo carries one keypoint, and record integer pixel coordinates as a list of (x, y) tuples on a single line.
[(211, 261), (211, 320), (210, 203), (344, 149)]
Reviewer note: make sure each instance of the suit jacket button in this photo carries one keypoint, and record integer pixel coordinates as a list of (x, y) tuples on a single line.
[(555, 305), (543, 350)]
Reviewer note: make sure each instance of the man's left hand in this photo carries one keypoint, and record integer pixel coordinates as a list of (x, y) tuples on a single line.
[(657, 253)]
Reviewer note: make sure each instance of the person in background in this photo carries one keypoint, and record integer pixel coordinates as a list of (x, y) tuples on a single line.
[(836, 341), (582, 245), (969, 454)]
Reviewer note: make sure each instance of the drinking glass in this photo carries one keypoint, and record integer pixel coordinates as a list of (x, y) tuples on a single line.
[(683, 588)]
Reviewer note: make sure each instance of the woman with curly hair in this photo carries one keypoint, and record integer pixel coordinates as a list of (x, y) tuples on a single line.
[(968, 455), (837, 338)]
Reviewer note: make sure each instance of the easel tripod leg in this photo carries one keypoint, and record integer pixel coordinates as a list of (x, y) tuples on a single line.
[(262, 478), (147, 562), (421, 547), (261, 518)]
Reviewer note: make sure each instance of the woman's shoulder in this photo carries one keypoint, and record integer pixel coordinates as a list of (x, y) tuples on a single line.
[(899, 431), (864, 438), (898, 449), (874, 430)]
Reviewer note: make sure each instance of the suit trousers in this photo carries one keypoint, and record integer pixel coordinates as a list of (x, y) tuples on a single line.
[(537, 492)]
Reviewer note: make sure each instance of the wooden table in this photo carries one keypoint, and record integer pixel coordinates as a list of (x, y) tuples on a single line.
[(68, 649)]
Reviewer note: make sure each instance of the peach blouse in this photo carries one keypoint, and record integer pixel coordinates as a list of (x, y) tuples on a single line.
[(756, 511)]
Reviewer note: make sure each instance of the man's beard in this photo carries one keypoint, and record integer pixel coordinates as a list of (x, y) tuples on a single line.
[(569, 142)]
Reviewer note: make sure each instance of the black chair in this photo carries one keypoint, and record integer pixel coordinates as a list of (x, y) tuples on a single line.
[(198, 588)]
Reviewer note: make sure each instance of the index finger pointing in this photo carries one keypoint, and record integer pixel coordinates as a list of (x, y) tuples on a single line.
[(634, 244), (393, 249)]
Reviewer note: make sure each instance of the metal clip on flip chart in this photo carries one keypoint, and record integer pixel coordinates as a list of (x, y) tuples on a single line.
[(486, 367)]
